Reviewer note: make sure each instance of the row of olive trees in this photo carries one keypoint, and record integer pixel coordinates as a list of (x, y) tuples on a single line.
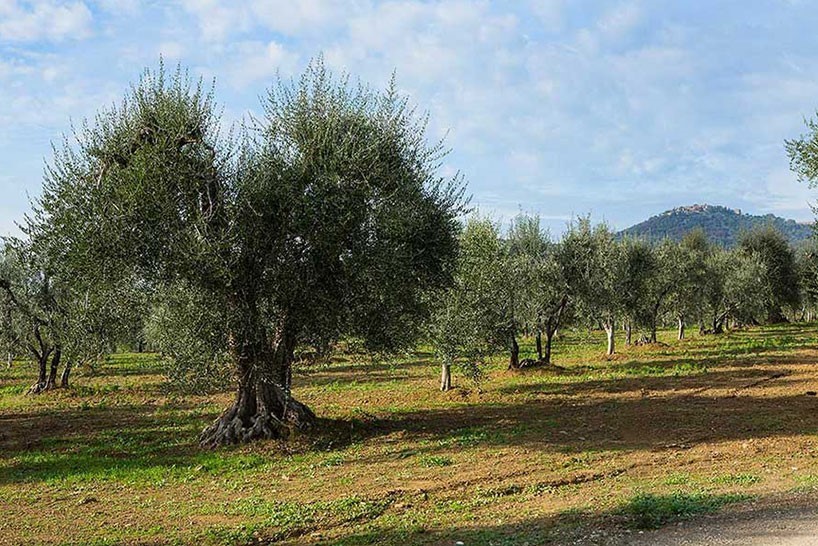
[(522, 282)]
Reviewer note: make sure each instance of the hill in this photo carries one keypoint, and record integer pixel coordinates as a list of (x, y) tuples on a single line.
[(721, 224)]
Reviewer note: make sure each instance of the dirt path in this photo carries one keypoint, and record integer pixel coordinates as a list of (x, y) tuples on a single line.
[(781, 523)]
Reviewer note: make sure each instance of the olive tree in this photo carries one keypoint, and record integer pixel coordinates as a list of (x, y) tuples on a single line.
[(736, 289), (543, 289), (55, 319), (640, 268), (33, 316), (325, 218), (687, 269), (472, 319), (595, 269), (806, 261), (771, 247)]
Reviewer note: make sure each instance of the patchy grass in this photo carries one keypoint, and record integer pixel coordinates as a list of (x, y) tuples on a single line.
[(649, 511), (649, 436)]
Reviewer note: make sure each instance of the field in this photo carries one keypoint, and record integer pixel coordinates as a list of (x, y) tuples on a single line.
[(595, 450)]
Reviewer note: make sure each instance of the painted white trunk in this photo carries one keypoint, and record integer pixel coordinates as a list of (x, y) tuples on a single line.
[(611, 331), (446, 377)]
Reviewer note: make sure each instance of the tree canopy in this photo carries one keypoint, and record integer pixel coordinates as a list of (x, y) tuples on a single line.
[(323, 218)]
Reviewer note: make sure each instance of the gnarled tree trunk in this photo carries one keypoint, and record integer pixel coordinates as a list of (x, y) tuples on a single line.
[(263, 407), (52, 374), (549, 338)]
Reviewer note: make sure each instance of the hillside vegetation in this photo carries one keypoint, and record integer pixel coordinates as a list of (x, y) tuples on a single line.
[(722, 225)]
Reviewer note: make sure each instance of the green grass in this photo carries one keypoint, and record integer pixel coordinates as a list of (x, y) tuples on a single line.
[(430, 461), (650, 511), (738, 479)]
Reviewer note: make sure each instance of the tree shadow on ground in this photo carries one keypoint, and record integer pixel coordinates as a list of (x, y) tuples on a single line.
[(568, 418), (639, 412), (672, 375), (96, 442)]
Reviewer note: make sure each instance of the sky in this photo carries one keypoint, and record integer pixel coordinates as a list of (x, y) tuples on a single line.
[(562, 108)]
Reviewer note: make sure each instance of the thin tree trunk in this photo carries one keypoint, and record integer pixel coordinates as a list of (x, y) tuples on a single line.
[(52, 374), (718, 324), (628, 334), (514, 360), (41, 355), (681, 328), (66, 372), (611, 331), (539, 345), (42, 377), (446, 377), (9, 360), (549, 338)]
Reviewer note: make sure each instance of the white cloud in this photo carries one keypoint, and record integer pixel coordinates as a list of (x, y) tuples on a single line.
[(171, 50), (49, 20), (557, 105), (219, 20), (259, 62), (618, 22)]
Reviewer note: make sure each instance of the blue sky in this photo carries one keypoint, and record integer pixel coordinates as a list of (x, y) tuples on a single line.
[(559, 107)]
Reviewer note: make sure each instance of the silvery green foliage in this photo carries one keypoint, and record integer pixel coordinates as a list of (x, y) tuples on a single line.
[(781, 277), (807, 268), (687, 264), (595, 270), (473, 318), (734, 289), (541, 280), (190, 339), (47, 309), (325, 217), (641, 283)]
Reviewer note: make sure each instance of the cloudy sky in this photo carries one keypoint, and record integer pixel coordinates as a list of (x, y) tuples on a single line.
[(560, 107)]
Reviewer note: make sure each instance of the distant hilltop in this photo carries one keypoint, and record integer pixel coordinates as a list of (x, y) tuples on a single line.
[(722, 225)]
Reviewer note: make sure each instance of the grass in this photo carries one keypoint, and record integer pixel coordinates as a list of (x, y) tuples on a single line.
[(650, 436), (649, 511)]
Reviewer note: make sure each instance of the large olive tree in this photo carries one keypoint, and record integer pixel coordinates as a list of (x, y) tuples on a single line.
[(322, 219)]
